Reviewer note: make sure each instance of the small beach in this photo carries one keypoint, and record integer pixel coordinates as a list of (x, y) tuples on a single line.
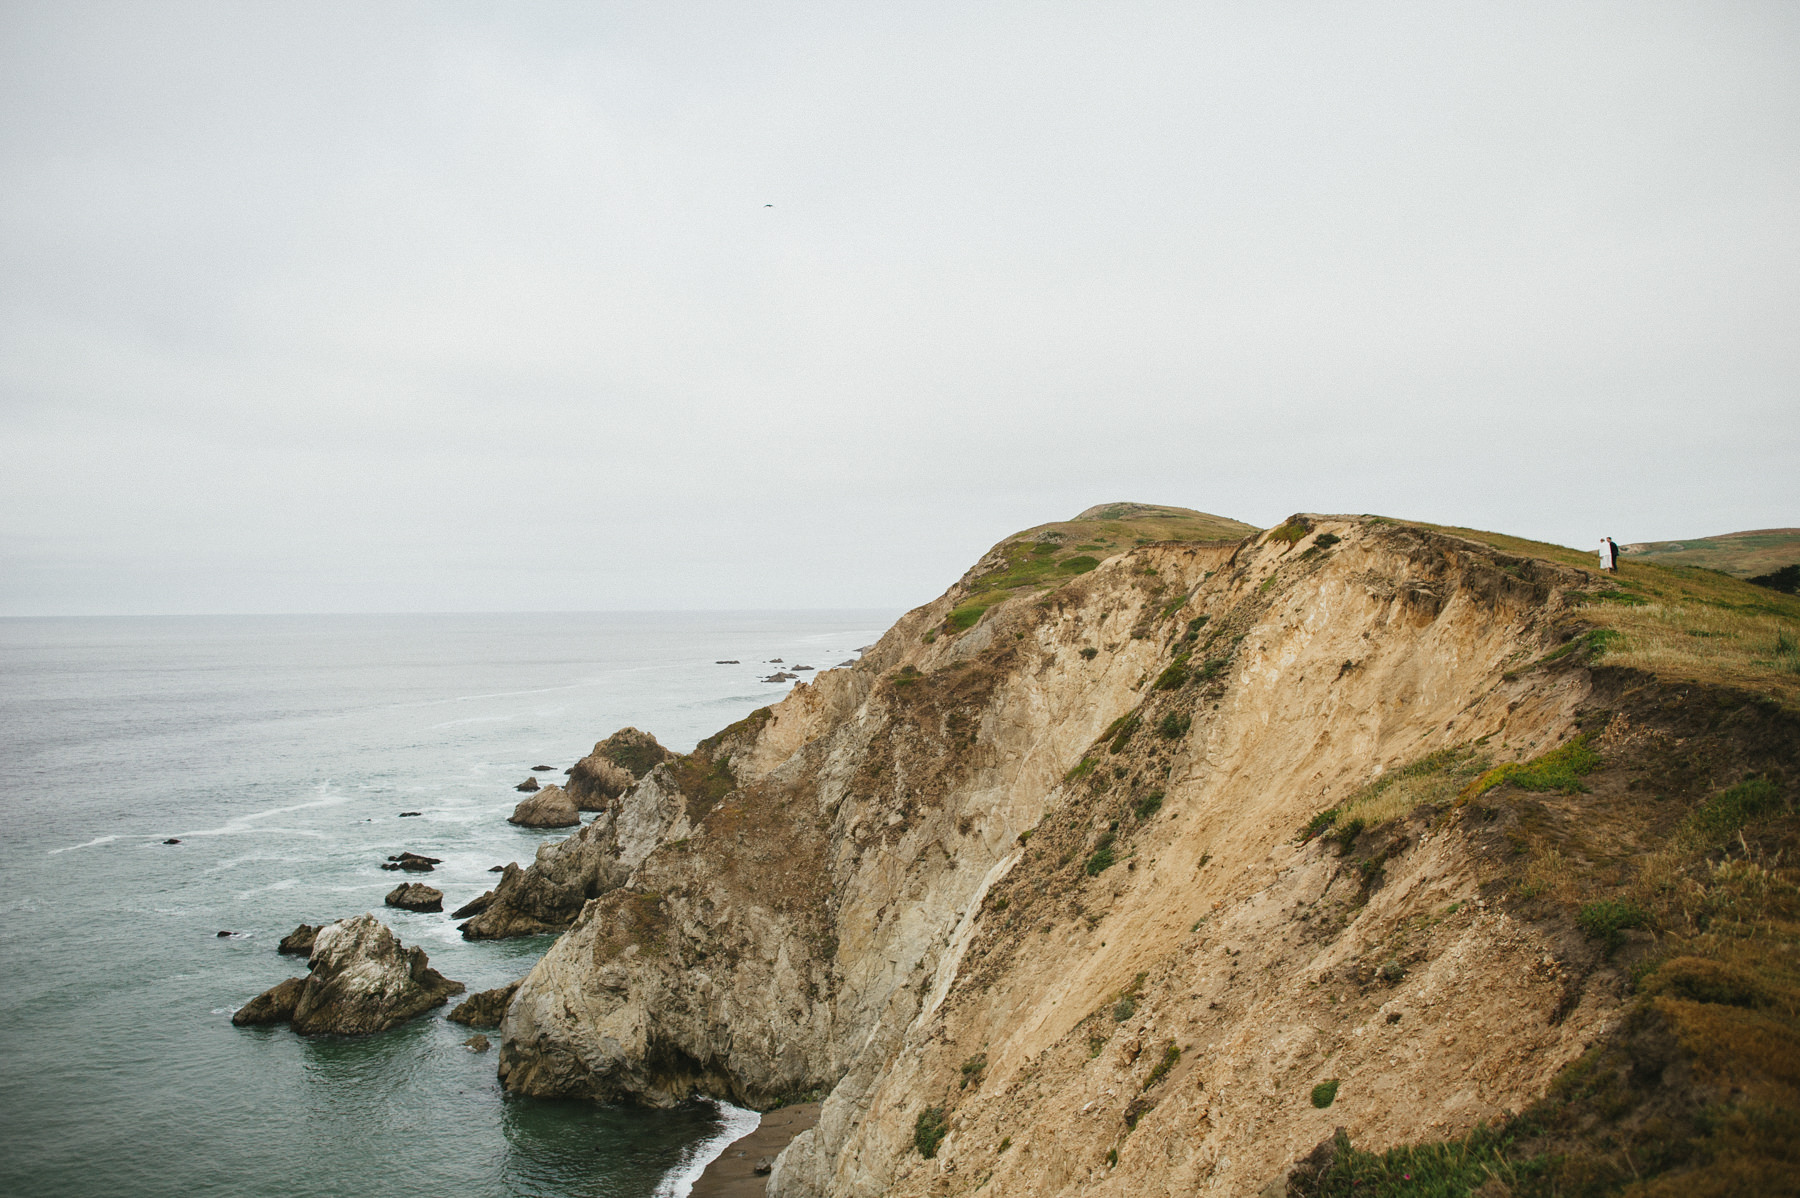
[(733, 1174)]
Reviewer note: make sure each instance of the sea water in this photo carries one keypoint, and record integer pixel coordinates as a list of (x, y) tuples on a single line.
[(281, 752)]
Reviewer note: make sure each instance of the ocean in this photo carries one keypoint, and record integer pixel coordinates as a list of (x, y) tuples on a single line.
[(280, 751)]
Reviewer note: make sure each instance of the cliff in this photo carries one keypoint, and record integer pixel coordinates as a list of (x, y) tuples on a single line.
[(1140, 866)]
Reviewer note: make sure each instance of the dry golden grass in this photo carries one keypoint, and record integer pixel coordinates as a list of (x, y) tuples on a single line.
[(1550, 875), (1433, 779), (1682, 622), (1685, 636)]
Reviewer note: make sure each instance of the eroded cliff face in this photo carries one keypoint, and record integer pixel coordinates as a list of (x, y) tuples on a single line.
[(1043, 876)]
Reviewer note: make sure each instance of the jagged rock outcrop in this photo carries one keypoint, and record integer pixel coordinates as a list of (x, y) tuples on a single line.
[(1040, 864), (614, 767), (363, 980), (416, 896), (550, 807), (412, 862), (550, 893), (485, 1008), (479, 903), (530, 784), (299, 942)]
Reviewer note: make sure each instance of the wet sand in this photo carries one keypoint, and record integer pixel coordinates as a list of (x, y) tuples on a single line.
[(732, 1176)]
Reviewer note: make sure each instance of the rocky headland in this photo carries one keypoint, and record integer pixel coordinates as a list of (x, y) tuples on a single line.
[(1161, 855)]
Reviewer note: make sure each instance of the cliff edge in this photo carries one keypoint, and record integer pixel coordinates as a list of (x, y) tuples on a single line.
[(1137, 865)]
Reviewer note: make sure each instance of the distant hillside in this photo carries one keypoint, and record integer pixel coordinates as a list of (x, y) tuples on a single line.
[(1744, 554)]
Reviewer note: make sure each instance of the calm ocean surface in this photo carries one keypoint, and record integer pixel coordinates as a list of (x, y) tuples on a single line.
[(281, 750)]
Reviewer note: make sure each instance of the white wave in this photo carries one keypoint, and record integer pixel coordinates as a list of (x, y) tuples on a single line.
[(284, 884), (240, 823), (738, 1123), (90, 844)]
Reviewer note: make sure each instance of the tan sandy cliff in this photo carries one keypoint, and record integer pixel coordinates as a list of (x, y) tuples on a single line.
[(1028, 895)]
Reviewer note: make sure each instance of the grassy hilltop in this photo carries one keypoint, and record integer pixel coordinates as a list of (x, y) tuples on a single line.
[(1743, 554)]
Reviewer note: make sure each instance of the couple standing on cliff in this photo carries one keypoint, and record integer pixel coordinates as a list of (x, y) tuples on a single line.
[(1609, 555)]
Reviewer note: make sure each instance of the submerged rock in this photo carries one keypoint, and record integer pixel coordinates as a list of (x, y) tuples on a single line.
[(274, 1005), (781, 676), (413, 862), (363, 980), (549, 808), (299, 942), (476, 1043), (485, 1008), (416, 896), (543, 769), (530, 784), (173, 840)]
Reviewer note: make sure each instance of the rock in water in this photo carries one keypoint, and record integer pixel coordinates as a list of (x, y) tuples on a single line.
[(476, 905), (413, 862), (416, 896), (543, 769), (476, 1043), (363, 980), (549, 808), (530, 784), (274, 1005), (484, 1009), (299, 942)]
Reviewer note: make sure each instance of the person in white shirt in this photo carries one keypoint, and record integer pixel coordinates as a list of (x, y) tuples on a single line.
[(1609, 554)]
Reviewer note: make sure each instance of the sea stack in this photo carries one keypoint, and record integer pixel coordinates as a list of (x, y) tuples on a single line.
[(363, 980), (550, 807)]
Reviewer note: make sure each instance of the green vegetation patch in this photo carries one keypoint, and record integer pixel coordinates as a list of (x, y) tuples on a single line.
[(1606, 920), (1121, 731), (1325, 1093), (1625, 597), (1102, 857), (1174, 725), (1176, 675), (1720, 816), (1291, 532), (1149, 805), (929, 1130), (1170, 1058), (1560, 770)]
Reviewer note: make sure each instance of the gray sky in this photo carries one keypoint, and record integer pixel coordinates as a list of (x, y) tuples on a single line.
[(314, 307)]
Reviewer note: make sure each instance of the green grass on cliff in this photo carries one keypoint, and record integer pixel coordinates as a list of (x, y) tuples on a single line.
[(1051, 554), (1676, 621)]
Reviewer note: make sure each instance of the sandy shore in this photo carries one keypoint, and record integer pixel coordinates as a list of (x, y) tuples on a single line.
[(733, 1176)]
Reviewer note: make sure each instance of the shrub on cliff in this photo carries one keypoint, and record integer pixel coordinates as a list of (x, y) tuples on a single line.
[(929, 1130)]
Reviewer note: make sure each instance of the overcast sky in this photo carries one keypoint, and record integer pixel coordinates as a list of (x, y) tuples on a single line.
[(438, 306)]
